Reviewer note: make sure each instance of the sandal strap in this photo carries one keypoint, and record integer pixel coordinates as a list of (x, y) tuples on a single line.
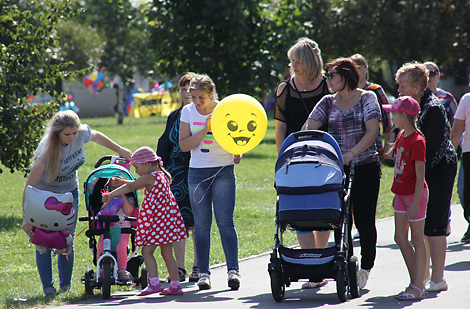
[(182, 271), (420, 291)]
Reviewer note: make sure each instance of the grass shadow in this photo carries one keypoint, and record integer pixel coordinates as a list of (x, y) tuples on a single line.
[(42, 301), (268, 140), (10, 222)]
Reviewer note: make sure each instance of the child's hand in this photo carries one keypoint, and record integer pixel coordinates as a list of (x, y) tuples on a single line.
[(413, 210), (237, 159), (117, 182), (105, 198)]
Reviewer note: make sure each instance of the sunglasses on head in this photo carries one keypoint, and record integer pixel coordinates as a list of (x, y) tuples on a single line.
[(330, 75), (433, 73)]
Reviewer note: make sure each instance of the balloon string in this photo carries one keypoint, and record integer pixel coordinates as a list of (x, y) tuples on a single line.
[(208, 187)]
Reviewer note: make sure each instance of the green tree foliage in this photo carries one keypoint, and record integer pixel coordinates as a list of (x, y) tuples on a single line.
[(226, 39), (121, 27), (29, 49), (79, 43), (393, 32)]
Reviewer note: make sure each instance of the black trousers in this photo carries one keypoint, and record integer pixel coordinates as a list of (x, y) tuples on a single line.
[(440, 182), (364, 196)]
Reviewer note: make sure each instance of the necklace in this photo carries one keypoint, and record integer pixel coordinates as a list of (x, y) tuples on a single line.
[(304, 86)]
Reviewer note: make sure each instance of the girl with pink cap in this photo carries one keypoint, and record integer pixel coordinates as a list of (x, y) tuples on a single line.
[(411, 193), (160, 222)]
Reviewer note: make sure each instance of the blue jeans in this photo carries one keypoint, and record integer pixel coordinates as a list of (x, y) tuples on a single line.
[(65, 266), (213, 188)]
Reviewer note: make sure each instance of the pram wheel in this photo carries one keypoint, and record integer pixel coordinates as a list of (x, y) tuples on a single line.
[(278, 289), (353, 284), (144, 278), (341, 285), (107, 277), (89, 274)]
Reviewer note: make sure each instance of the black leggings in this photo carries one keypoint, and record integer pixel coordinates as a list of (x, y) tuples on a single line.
[(364, 196)]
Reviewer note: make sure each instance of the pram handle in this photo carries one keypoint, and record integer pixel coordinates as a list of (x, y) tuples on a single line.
[(112, 159), (106, 218), (309, 133)]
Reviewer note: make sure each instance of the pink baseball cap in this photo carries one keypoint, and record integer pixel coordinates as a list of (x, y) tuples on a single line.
[(405, 104), (144, 154)]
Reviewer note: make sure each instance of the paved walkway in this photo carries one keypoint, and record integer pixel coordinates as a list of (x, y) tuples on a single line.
[(388, 277)]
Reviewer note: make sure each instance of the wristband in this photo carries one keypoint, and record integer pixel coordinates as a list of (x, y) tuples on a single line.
[(352, 153)]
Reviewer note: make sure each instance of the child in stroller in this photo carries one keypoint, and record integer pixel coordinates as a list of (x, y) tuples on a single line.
[(122, 207), (115, 174)]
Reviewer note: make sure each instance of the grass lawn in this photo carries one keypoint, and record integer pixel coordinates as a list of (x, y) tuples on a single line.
[(20, 286)]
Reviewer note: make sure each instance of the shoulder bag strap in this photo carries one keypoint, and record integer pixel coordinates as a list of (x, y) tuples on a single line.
[(301, 99)]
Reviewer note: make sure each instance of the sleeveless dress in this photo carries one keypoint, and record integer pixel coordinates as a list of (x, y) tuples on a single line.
[(160, 221)]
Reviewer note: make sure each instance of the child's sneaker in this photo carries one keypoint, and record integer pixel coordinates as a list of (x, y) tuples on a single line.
[(234, 279), (178, 290), (123, 275), (151, 289), (204, 282)]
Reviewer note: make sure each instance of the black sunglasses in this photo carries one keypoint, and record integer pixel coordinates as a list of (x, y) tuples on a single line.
[(433, 73), (330, 75)]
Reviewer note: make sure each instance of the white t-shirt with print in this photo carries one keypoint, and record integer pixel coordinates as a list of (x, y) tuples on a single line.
[(208, 153)]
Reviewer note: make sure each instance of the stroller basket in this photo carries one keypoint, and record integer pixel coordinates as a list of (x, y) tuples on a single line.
[(317, 263), (310, 184)]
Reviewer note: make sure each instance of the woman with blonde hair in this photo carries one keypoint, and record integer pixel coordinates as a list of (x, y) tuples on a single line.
[(295, 99), (441, 166), (59, 155)]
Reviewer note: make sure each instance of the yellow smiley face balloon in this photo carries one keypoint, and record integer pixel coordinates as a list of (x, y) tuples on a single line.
[(239, 123)]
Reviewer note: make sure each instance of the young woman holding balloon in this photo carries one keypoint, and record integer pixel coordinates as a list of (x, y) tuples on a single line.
[(211, 181)]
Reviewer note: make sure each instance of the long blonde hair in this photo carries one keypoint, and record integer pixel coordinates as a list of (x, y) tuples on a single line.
[(51, 152)]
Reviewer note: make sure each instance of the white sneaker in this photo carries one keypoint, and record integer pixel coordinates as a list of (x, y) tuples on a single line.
[(362, 277)]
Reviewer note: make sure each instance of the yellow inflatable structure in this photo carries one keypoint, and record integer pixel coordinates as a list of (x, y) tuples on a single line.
[(153, 104)]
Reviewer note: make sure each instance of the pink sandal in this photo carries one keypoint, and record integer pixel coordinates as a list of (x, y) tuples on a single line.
[(410, 296), (151, 289)]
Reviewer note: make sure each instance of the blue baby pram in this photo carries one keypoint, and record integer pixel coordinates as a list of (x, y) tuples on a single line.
[(312, 194)]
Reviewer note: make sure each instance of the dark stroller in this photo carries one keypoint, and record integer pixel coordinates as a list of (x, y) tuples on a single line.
[(106, 264), (312, 194)]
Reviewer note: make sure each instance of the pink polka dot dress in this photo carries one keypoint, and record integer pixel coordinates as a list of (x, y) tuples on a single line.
[(160, 221)]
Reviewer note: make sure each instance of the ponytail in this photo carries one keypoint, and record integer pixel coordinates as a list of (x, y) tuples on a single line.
[(164, 170)]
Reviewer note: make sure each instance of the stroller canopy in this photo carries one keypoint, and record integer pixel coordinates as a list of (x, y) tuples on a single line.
[(99, 177), (309, 181), (309, 165)]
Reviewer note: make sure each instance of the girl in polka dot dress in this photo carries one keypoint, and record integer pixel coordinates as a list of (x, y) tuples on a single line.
[(160, 222)]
